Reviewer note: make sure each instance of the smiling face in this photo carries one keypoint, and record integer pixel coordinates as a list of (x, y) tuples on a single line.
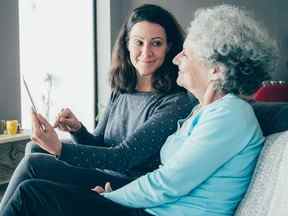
[(193, 73), (147, 47)]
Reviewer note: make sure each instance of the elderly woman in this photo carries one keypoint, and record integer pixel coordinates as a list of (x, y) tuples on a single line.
[(206, 165)]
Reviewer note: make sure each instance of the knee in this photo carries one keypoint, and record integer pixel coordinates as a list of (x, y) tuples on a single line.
[(26, 164), (33, 166), (31, 162), (33, 148), (27, 188), (26, 185)]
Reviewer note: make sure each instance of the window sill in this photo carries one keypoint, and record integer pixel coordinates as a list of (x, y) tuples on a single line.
[(14, 138)]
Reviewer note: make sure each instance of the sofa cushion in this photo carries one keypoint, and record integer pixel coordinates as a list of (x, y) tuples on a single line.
[(267, 192), (272, 116)]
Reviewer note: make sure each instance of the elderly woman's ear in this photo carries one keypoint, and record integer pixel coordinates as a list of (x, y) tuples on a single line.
[(216, 73)]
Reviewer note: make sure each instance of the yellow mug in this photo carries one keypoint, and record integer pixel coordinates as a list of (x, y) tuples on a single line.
[(11, 127)]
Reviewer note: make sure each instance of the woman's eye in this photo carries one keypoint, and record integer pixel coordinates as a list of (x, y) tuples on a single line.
[(138, 43), (157, 43)]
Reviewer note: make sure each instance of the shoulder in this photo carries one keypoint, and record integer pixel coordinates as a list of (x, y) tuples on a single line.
[(231, 109), (179, 98), (229, 103), (114, 95)]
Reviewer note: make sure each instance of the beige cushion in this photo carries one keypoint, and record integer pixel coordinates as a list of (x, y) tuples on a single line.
[(267, 194)]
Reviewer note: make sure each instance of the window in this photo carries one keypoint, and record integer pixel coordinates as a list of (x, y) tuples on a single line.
[(57, 47)]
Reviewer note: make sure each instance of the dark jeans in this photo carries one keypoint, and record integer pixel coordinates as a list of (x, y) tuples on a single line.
[(41, 184), (41, 197)]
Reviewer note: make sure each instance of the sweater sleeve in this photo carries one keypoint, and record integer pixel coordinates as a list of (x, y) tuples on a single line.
[(212, 142), (93, 139), (97, 137), (138, 147)]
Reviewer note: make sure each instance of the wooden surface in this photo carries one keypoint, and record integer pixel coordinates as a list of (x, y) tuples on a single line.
[(4, 138)]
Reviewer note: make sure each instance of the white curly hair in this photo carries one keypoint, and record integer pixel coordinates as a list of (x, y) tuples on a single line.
[(229, 36)]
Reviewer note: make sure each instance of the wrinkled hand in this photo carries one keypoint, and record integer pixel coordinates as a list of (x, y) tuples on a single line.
[(100, 189), (67, 121), (44, 135)]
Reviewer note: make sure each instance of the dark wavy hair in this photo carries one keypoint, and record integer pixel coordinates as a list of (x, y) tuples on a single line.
[(123, 76)]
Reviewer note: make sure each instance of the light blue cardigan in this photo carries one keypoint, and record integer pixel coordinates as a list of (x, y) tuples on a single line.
[(206, 164)]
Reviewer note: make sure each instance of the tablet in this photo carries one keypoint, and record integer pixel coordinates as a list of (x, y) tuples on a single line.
[(34, 109)]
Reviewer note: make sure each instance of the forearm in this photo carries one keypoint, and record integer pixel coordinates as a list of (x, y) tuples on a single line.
[(85, 138), (87, 156)]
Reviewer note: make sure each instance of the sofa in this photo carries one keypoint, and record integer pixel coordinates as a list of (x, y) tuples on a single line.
[(267, 194)]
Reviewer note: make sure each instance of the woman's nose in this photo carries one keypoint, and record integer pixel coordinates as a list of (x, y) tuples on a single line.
[(176, 59), (147, 50)]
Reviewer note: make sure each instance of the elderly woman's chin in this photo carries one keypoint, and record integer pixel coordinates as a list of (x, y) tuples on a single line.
[(181, 81)]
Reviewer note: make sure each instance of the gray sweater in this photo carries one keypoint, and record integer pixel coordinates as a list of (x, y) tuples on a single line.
[(128, 137)]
